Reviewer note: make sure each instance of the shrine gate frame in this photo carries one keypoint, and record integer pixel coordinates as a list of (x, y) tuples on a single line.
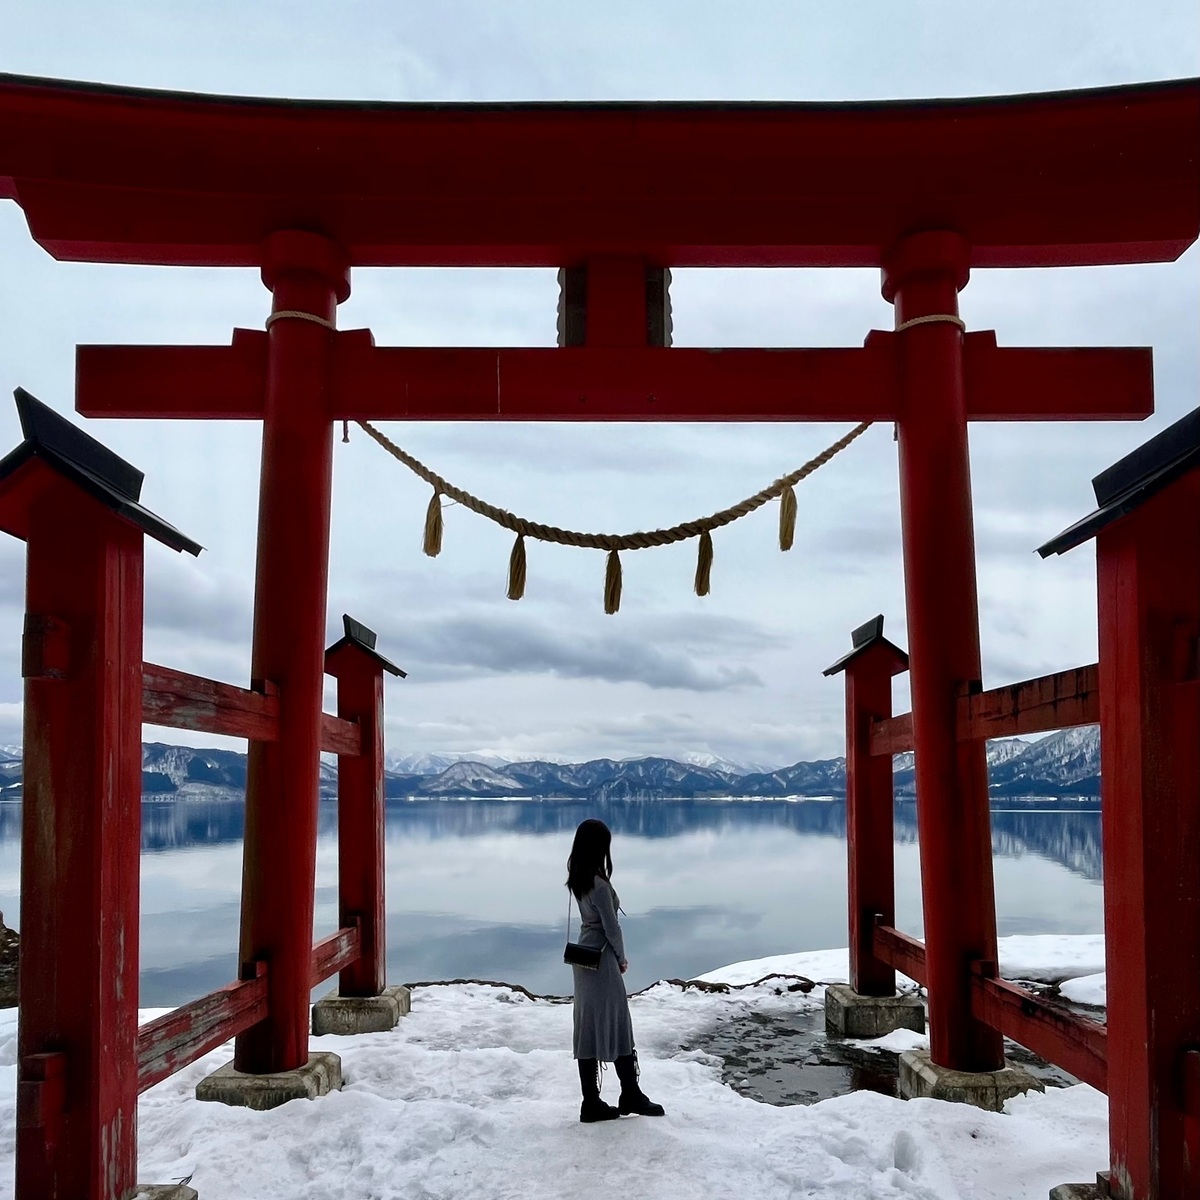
[(926, 191)]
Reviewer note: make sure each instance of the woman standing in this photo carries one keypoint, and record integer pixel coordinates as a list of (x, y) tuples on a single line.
[(603, 1031)]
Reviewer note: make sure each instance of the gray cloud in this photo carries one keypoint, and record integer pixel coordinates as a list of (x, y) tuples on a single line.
[(458, 647)]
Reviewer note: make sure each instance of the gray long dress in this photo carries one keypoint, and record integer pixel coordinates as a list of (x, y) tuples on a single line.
[(602, 1026)]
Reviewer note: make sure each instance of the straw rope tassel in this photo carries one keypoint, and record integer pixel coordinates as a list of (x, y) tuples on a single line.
[(516, 569), (612, 583), (704, 564), (433, 525), (787, 518)]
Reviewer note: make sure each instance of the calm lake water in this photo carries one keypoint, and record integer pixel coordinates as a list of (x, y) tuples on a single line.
[(475, 887)]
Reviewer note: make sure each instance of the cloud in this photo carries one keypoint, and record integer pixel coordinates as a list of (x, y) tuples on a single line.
[(458, 647)]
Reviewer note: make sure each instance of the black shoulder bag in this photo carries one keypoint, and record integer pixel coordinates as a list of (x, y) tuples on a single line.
[(576, 955)]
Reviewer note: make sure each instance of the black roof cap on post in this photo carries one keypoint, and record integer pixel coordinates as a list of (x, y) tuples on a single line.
[(357, 634), (88, 464), (868, 635), (1134, 479)]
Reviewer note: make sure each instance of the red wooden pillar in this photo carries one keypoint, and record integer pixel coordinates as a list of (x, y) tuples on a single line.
[(75, 504), (308, 276), (922, 277), (1149, 606), (1147, 532), (870, 874), (358, 669)]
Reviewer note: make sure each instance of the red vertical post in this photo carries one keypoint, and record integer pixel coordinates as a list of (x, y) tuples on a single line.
[(307, 275), (870, 849), (361, 899), (870, 853), (922, 277), (82, 662), (1148, 567)]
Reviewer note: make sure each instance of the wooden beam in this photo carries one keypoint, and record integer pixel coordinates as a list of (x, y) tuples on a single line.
[(905, 953), (169, 1043), (595, 383), (339, 736), (893, 735), (1057, 701), (1023, 383), (188, 383), (182, 701), (335, 953), (1075, 1043)]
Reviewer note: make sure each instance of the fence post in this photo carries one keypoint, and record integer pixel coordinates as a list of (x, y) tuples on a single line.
[(1147, 532), (75, 505), (362, 1003), (870, 853)]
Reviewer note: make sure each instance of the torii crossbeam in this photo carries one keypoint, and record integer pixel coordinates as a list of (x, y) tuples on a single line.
[(926, 191)]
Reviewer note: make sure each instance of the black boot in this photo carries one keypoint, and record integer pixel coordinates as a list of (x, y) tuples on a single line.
[(633, 1099), (593, 1108)]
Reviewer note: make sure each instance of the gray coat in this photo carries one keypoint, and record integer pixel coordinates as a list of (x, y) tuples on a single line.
[(602, 1026)]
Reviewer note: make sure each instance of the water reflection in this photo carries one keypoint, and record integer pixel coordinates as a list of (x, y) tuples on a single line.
[(475, 886)]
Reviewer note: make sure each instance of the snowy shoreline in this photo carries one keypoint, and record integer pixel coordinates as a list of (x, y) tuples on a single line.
[(474, 1095)]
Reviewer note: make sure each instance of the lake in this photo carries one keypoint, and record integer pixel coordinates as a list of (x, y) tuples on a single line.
[(475, 887)]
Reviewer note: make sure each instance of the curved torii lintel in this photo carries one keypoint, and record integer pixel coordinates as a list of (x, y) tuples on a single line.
[(115, 174)]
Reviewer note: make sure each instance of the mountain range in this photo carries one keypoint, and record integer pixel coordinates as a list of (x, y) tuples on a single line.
[(1064, 764)]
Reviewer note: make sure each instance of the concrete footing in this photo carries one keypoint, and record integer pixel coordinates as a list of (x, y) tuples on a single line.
[(360, 1014), (849, 1015), (1099, 1190), (921, 1077), (319, 1076), (165, 1191)]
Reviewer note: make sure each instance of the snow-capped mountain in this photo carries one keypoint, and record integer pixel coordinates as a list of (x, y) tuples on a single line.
[(1063, 764), (10, 753)]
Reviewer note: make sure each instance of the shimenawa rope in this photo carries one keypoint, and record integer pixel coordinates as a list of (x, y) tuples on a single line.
[(612, 543)]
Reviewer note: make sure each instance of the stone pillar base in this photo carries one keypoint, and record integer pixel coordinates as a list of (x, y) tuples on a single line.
[(921, 1077), (319, 1076), (164, 1191), (849, 1015), (360, 1014), (1099, 1190)]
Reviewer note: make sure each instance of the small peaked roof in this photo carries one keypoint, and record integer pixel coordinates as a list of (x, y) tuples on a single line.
[(88, 464), (868, 635), (357, 634), (1134, 479)]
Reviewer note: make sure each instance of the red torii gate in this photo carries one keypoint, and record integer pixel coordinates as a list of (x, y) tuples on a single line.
[(926, 191)]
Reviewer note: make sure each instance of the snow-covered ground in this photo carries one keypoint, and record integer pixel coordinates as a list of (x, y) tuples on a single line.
[(475, 1095)]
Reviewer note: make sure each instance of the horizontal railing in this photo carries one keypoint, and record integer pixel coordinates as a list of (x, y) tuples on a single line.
[(1058, 701), (177, 1038), (172, 1041), (1074, 1043), (182, 701), (335, 953)]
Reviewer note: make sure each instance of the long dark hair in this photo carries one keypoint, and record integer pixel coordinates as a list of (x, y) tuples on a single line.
[(590, 856)]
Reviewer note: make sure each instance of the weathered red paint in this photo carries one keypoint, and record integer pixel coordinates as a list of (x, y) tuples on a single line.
[(361, 874), (922, 277), (1058, 701), (1075, 1043), (183, 1035), (335, 953), (870, 852), (181, 701), (901, 950), (305, 273), (1086, 177), (614, 382), (1148, 567), (77, 1041)]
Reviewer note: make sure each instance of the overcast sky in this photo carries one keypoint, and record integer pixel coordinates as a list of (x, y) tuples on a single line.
[(738, 673)]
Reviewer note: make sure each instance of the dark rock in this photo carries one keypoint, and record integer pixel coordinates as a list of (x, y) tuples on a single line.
[(10, 953)]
